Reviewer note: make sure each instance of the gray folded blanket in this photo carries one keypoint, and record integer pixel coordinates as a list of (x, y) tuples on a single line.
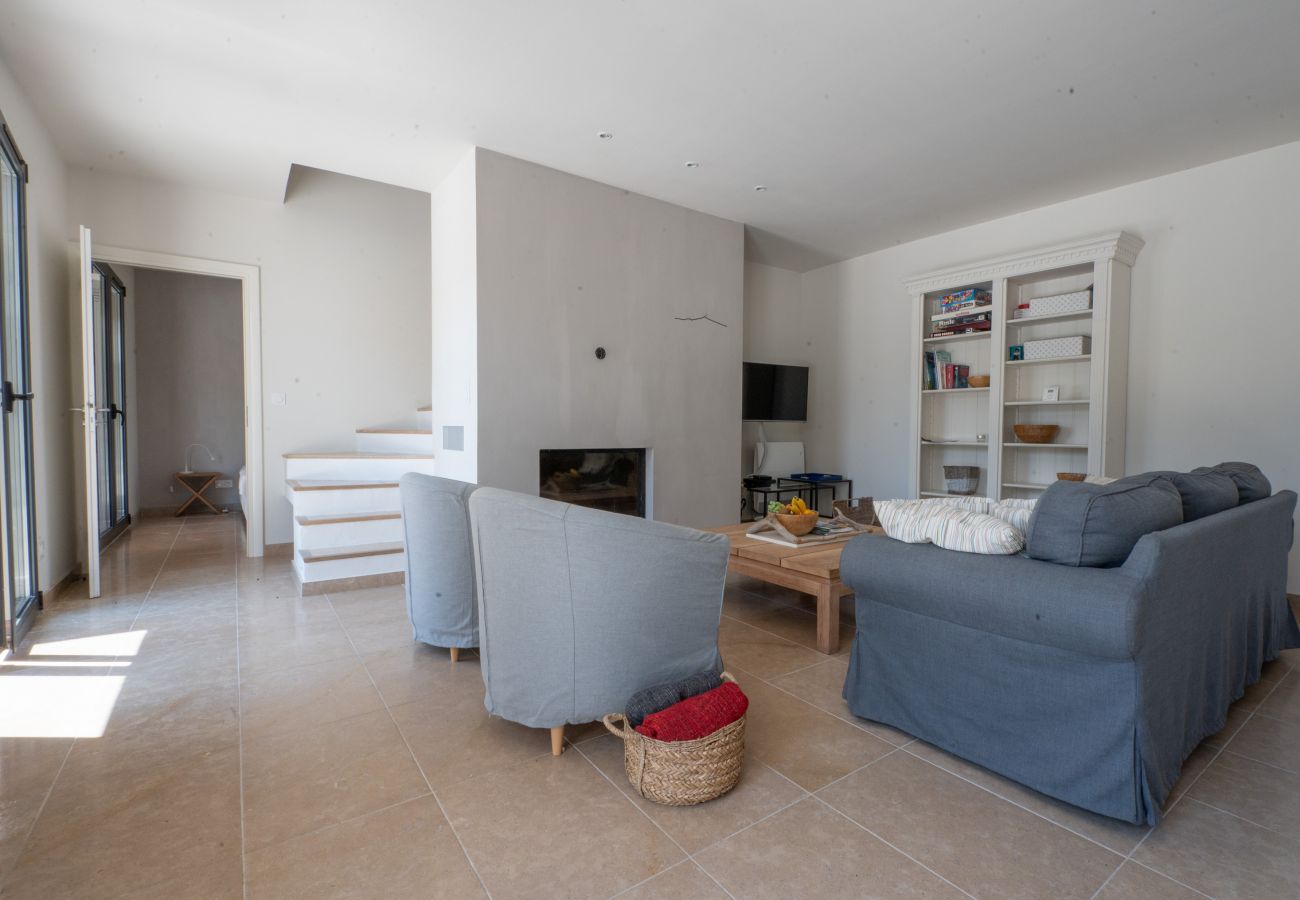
[(661, 696)]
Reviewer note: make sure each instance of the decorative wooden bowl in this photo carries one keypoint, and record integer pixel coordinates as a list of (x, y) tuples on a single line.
[(1071, 476), (1036, 434), (798, 525), (978, 380)]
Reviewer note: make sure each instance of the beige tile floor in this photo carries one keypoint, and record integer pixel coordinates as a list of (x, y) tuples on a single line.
[(201, 731)]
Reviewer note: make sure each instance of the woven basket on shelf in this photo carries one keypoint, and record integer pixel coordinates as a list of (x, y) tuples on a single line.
[(681, 773)]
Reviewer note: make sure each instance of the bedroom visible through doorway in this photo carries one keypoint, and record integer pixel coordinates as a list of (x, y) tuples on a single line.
[(186, 434)]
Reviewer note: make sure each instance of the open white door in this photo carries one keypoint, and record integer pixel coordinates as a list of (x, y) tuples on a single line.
[(90, 414)]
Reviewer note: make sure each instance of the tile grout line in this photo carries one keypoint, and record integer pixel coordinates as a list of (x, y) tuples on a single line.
[(1155, 871), (1019, 806), (239, 717), (853, 722), (1179, 799), (68, 754), (689, 857), (896, 849), (407, 744)]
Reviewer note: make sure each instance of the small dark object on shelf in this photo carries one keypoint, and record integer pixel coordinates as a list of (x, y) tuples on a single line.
[(757, 481)]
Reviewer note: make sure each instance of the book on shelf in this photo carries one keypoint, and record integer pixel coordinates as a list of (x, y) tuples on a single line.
[(961, 328), (942, 360), (959, 313), (964, 299)]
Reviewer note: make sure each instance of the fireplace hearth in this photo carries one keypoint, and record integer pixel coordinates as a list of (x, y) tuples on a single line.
[(608, 479)]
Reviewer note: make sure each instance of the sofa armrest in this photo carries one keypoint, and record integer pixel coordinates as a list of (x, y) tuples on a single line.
[(1092, 611)]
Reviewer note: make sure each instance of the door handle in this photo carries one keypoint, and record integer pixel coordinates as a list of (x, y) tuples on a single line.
[(114, 411), (8, 396)]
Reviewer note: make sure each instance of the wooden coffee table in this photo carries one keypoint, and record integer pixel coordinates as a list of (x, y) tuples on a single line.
[(812, 570)]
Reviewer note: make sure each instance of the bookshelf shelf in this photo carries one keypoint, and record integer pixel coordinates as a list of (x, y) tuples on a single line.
[(1058, 317), (1055, 359), (952, 338), (1091, 426)]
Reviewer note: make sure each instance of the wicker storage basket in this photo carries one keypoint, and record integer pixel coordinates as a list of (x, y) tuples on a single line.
[(961, 480), (681, 773)]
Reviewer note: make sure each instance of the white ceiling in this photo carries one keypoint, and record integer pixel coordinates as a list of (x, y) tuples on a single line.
[(870, 122)]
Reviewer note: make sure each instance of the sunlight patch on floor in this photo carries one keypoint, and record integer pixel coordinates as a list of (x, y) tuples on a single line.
[(122, 643), (57, 706)]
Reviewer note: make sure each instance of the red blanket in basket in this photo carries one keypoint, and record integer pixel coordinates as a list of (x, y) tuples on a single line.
[(698, 716)]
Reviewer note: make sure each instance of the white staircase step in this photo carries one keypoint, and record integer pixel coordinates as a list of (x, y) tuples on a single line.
[(331, 563), (395, 439), (354, 465), (325, 498), (314, 533)]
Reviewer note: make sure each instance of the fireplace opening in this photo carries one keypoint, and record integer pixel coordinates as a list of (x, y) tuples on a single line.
[(608, 479)]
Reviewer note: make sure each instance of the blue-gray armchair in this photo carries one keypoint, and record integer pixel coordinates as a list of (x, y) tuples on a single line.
[(580, 608), (439, 562)]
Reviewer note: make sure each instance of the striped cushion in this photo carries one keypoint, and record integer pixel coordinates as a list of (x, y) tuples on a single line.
[(970, 504), (1015, 512), (948, 526)]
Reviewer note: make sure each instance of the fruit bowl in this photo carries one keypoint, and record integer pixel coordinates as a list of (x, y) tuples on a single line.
[(1036, 434), (797, 524)]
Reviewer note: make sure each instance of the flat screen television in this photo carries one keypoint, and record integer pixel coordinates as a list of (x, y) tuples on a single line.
[(775, 393)]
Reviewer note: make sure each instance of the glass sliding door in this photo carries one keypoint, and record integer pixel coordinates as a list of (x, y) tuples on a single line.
[(109, 298), (18, 543)]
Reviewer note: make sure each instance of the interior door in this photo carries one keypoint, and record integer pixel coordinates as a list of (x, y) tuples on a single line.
[(18, 523), (109, 298), (90, 411)]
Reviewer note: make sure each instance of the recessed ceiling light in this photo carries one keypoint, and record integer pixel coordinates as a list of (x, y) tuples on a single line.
[(760, 187), (604, 135), (692, 165)]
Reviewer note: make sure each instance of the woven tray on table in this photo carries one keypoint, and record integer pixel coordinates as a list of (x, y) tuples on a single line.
[(681, 773)]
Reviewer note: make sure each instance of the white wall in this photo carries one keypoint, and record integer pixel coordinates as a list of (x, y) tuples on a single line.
[(455, 319), (345, 295), (774, 333), (566, 265), (189, 386), (48, 323), (1211, 373)]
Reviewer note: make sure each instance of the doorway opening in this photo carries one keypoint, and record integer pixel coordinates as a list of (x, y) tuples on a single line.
[(246, 493), (183, 347)]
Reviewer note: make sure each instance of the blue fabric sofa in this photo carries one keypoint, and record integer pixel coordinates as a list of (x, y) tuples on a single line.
[(1089, 684)]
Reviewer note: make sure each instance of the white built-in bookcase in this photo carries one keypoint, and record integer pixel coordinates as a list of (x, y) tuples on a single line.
[(1093, 387)]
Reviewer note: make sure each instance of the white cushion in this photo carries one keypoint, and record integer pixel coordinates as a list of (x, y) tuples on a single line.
[(970, 504), (1015, 512), (949, 527)]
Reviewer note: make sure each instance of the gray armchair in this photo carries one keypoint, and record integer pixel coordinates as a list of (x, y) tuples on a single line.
[(439, 562), (579, 608)]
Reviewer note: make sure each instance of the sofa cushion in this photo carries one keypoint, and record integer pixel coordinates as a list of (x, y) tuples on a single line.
[(1251, 483), (1204, 492), (949, 527), (1080, 524)]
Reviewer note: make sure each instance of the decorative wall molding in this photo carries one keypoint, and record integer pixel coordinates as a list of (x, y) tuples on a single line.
[(1119, 246)]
